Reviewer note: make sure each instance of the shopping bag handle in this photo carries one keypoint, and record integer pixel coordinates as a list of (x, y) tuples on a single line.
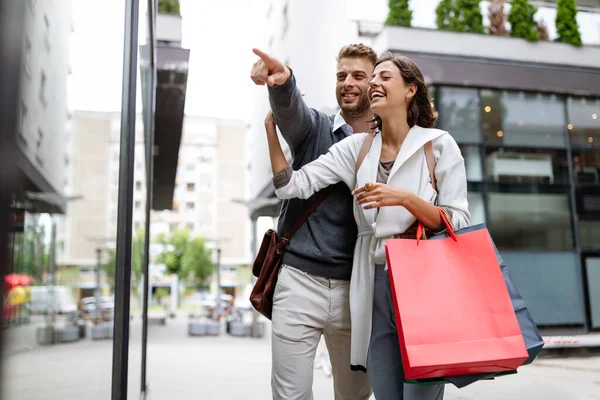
[(421, 228)]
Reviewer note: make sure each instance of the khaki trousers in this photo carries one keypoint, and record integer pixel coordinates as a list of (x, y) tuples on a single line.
[(304, 308)]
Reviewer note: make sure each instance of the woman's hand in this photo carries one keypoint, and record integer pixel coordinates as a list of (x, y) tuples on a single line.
[(376, 195)]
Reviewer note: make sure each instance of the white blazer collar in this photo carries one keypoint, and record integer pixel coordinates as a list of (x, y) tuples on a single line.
[(414, 141)]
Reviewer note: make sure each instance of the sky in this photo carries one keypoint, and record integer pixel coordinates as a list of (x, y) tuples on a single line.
[(220, 35)]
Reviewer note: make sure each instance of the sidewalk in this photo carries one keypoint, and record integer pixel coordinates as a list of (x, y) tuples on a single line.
[(229, 368)]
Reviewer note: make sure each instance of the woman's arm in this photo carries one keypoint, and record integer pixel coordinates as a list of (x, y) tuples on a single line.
[(335, 166), (278, 161)]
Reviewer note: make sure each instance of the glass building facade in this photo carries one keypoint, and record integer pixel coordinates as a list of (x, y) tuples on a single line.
[(533, 170)]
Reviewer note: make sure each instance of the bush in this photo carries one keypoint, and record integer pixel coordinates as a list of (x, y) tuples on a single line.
[(469, 16), (445, 15), (522, 23), (459, 16), (399, 14), (168, 6), (566, 23)]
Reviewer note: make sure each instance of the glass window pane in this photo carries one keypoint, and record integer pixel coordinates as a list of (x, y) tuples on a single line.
[(459, 113), (523, 119), (589, 234), (509, 164), (472, 157), (586, 166), (530, 221), (584, 122), (476, 207)]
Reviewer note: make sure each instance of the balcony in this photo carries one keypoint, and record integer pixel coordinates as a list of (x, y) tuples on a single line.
[(466, 59)]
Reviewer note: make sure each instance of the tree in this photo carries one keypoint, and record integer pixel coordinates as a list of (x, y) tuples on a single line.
[(168, 6), (469, 16), (399, 14), (197, 262), (497, 18), (446, 15), (174, 249), (459, 16), (137, 260), (522, 23), (566, 23)]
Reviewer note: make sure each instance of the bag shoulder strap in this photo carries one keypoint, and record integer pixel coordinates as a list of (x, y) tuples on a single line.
[(430, 163), (363, 151), (322, 196)]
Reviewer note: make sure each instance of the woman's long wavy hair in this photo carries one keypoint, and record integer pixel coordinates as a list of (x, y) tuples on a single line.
[(420, 110)]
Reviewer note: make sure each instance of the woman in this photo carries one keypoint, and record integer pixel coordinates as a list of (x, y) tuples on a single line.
[(393, 192)]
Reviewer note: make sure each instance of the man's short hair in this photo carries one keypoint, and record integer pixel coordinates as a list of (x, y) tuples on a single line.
[(357, 50)]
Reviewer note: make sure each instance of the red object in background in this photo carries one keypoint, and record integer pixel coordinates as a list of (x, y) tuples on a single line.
[(13, 280), (453, 310)]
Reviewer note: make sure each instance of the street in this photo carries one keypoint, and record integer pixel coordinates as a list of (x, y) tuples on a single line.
[(182, 367)]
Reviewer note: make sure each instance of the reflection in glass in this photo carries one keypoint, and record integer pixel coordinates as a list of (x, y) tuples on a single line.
[(459, 113), (472, 157), (476, 208), (507, 164), (523, 119), (586, 166), (530, 221), (584, 121), (589, 234)]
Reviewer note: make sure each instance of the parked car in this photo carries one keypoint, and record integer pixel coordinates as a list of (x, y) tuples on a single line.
[(57, 298)]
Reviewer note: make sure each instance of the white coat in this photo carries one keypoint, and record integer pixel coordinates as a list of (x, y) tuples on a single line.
[(410, 172)]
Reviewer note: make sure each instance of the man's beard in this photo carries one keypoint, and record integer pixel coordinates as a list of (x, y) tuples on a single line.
[(354, 109)]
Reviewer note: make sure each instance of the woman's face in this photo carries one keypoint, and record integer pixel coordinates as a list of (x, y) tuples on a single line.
[(387, 89)]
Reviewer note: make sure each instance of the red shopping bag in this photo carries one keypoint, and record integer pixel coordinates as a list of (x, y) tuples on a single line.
[(453, 310)]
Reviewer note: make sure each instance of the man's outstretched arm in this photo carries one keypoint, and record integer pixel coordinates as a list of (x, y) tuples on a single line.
[(294, 118)]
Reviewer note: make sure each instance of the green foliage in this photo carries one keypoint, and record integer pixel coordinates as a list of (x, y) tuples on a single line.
[(137, 260), (168, 6), (31, 255), (566, 22), (445, 15), (459, 16), (197, 262), (399, 14), (522, 23), (175, 247)]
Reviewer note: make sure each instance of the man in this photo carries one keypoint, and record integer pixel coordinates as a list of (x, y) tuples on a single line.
[(311, 297)]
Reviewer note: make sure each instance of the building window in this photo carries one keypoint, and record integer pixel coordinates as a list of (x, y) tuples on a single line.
[(27, 57), (190, 205), (32, 6), (191, 187), (190, 226), (138, 185), (526, 165), (586, 166), (138, 204), (40, 139), (42, 93), (523, 119), (584, 122), (472, 157), (459, 113), (190, 167), (172, 226), (24, 112), (521, 220)]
